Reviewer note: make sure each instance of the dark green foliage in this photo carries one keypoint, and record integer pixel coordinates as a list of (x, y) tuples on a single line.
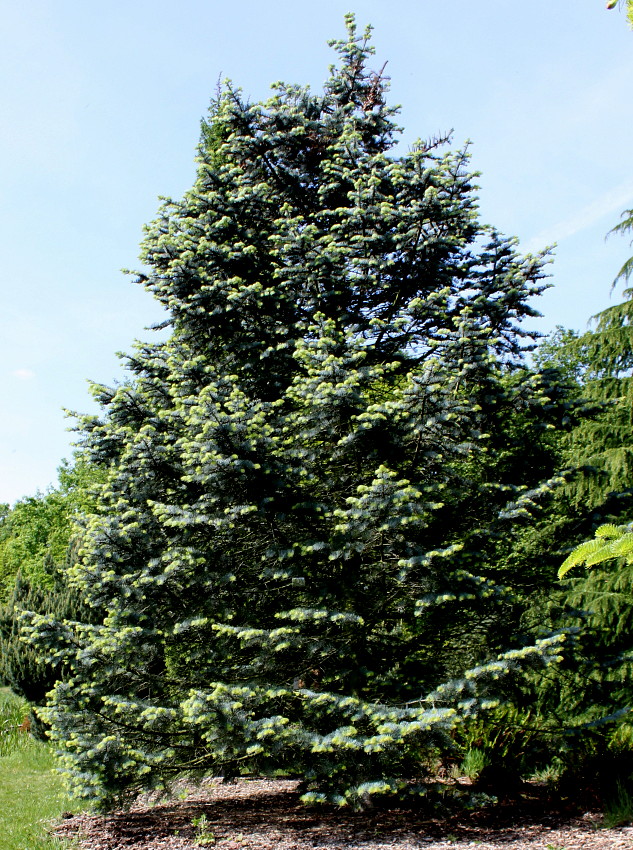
[(558, 352), (307, 484), (591, 444), (597, 601), (602, 444), (39, 540), (579, 709), (594, 686), (506, 744), (28, 673), (601, 595), (584, 703)]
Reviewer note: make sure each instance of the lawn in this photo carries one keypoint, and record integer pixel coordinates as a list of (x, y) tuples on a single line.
[(31, 793)]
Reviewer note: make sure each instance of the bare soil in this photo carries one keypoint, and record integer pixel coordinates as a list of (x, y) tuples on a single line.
[(268, 815)]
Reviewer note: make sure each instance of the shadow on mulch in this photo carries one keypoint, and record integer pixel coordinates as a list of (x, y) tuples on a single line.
[(277, 809)]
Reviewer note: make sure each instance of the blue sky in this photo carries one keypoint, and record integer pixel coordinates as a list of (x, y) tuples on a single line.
[(101, 106)]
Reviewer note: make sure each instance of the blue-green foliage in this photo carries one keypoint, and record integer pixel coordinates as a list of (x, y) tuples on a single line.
[(304, 493)]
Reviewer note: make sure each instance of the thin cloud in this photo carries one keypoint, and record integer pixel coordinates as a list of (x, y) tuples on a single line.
[(608, 204), (23, 374)]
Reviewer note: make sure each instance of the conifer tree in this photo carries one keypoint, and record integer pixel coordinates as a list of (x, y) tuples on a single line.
[(625, 226), (586, 702), (602, 445), (588, 698), (302, 489), (597, 367), (39, 540), (22, 668)]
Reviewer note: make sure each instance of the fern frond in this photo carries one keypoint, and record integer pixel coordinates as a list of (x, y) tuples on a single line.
[(608, 531), (623, 548), (610, 542), (579, 556)]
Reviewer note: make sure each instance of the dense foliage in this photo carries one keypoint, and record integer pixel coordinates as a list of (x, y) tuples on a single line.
[(585, 702), (39, 529), (27, 672), (39, 540), (603, 444), (310, 483)]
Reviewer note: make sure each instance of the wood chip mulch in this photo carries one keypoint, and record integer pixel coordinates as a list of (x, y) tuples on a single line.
[(267, 815)]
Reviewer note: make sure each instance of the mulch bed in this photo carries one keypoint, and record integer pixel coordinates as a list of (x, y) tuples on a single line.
[(267, 815)]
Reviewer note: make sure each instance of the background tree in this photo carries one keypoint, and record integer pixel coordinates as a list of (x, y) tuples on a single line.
[(602, 443), (304, 491), (38, 529), (594, 684), (584, 703), (22, 668), (39, 540)]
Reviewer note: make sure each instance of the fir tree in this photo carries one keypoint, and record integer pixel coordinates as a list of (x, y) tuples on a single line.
[(295, 532)]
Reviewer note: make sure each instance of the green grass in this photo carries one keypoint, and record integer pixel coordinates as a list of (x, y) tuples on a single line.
[(31, 793), (619, 810)]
